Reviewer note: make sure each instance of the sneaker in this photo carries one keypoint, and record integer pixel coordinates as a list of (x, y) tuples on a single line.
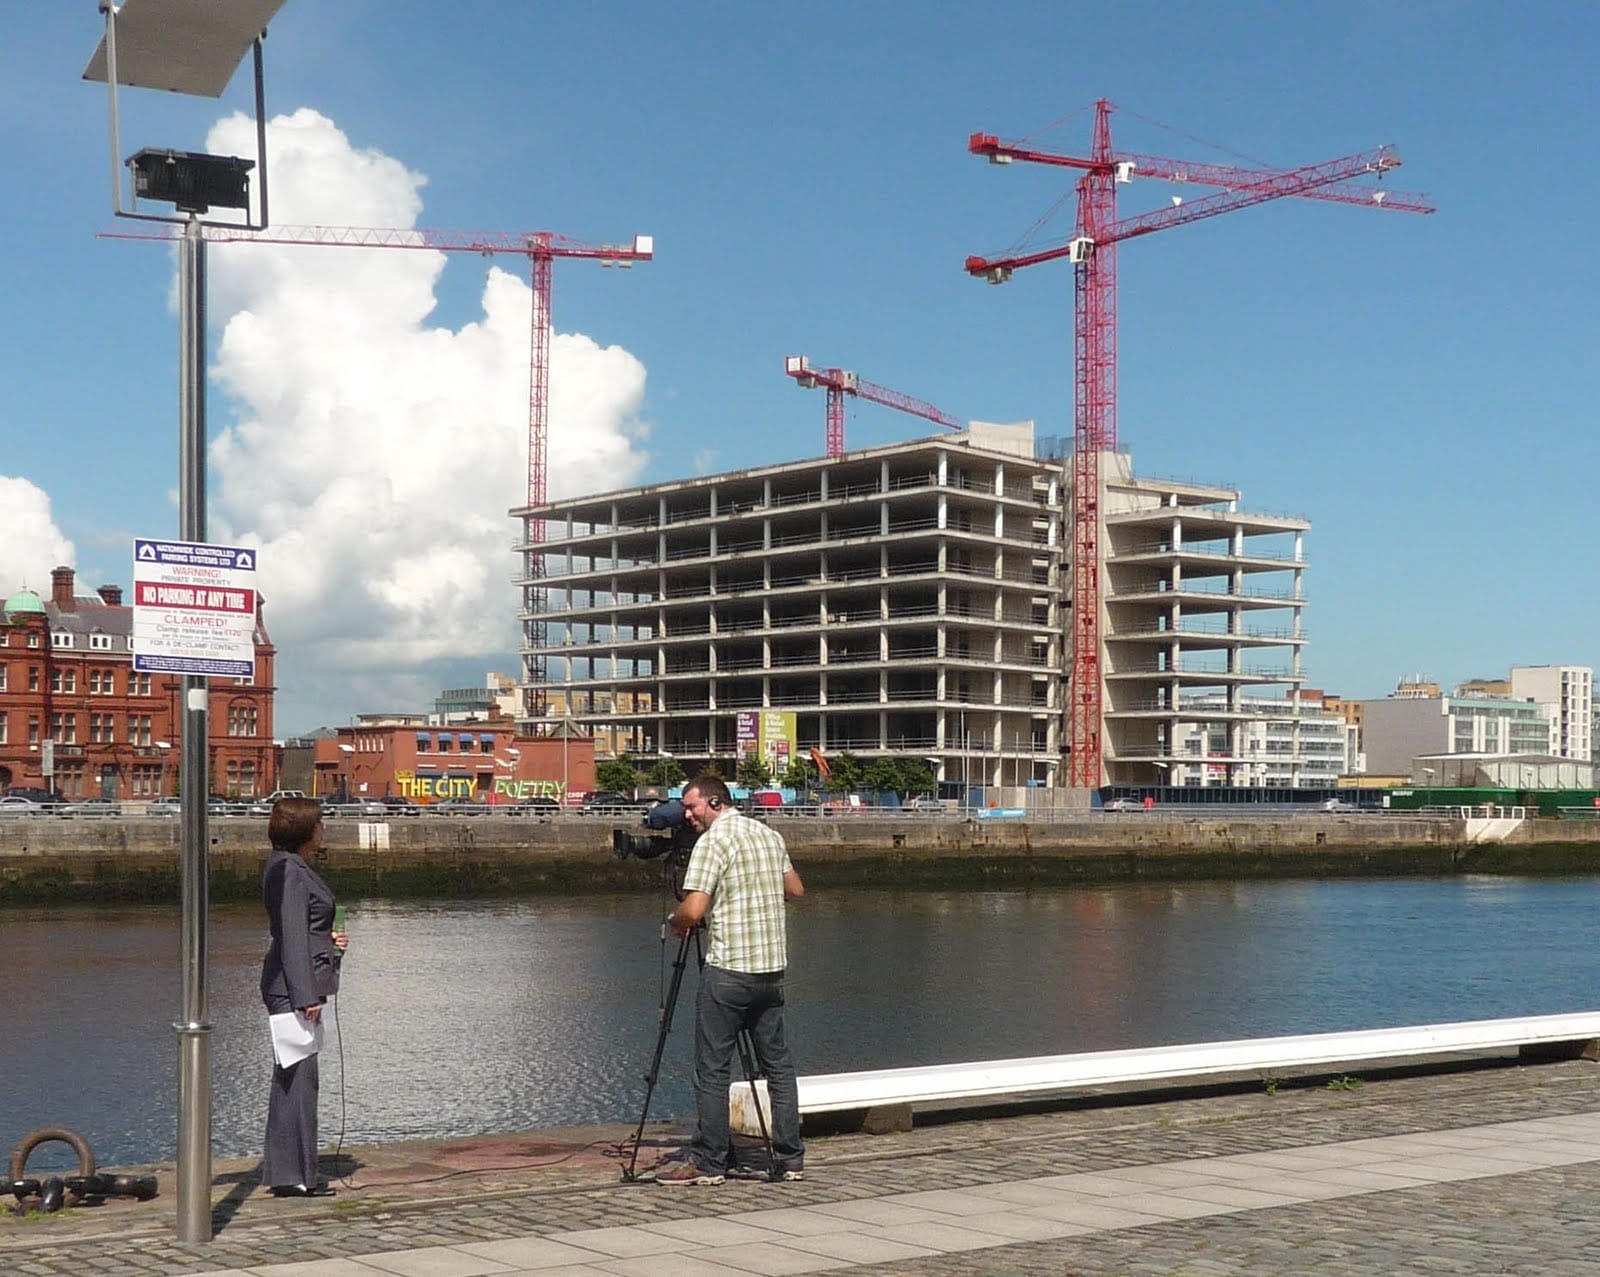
[(792, 1173), (687, 1173)]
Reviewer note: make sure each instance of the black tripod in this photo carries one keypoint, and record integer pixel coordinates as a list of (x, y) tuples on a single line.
[(747, 1062)]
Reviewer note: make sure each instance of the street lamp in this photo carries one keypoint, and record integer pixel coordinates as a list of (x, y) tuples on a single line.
[(190, 47)]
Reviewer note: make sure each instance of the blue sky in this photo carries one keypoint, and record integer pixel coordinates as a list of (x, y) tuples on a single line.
[(1420, 388)]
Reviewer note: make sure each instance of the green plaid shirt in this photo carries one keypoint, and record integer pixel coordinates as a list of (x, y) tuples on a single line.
[(740, 864)]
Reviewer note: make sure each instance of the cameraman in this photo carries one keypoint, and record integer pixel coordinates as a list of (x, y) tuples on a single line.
[(737, 881)]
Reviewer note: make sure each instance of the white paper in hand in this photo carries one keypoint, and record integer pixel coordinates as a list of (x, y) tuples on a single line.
[(294, 1037)]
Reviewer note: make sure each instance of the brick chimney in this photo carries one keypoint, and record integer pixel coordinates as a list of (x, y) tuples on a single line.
[(61, 589), (111, 595)]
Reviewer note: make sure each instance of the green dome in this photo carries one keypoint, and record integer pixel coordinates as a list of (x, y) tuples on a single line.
[(24, 601)]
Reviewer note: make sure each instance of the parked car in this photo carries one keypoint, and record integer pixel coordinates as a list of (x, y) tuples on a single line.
[(1335, 804), (93, 808), (164, 807), (400, 807), (222, 805), (608, 800), (925, 802), (45, 798), (17, 805), (1124, 804)]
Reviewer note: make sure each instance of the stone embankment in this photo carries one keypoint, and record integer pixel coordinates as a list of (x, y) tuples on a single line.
[(136, 858)]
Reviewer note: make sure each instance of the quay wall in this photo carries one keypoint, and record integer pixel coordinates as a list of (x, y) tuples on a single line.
[(50, 859)]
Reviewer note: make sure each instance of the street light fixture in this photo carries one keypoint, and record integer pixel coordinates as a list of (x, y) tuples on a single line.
[(189, 47)]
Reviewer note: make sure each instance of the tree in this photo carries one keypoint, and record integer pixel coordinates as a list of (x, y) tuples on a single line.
[(664, 772), (754, 773), (847, 773), (619, 774), (882, 774), (799, 774)]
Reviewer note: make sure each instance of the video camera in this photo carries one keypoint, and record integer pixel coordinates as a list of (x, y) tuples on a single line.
[(670, 835)]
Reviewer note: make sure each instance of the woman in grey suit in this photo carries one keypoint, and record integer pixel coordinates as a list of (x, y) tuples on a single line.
[(300, 973)]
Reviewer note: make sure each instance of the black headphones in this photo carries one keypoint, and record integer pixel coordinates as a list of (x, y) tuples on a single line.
[(714, 803)]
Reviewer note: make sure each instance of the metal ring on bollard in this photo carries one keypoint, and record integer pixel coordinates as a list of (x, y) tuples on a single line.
[(47, 1135)]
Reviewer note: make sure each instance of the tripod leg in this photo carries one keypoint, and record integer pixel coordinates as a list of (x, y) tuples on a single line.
[(747, 1060), (668, 1006)]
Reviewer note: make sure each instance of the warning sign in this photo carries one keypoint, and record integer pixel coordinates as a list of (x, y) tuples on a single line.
[(194, 608)]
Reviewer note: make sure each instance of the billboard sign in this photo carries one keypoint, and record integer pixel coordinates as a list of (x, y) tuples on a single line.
[(194, 608)]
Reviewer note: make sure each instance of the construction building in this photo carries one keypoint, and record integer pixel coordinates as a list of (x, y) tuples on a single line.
[(913, 599)]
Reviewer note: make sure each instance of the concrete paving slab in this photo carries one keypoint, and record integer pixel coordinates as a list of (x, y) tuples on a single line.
[(860, 1248), (435, 1261), (791, 1220), (622, 1242), (529, 1252), (714, 1232), (946, 1237), (772, 1260)]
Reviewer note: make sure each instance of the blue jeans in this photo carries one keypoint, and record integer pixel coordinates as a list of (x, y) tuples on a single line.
[(727, 1002)]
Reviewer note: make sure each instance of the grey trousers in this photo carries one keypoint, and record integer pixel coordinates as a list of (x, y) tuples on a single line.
[(290, 1156)]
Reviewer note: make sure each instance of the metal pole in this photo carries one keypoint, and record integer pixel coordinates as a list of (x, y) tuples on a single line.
[(194, 1032)]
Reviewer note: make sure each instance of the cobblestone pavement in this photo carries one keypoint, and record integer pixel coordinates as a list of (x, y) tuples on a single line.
[(1487, 1170)]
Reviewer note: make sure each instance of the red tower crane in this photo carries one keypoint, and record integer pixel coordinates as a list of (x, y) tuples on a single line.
[(1092, 251), (541, 248), (839, 383)]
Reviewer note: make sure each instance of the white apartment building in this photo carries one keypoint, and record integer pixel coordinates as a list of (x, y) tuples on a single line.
[(1568, 692), (915, 598), (1277, 748)]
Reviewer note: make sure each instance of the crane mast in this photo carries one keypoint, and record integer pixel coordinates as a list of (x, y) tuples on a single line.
[(839, 383), (1092, 250), (541, 248)]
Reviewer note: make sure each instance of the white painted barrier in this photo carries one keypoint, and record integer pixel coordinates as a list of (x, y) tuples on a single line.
[(988, 1080)]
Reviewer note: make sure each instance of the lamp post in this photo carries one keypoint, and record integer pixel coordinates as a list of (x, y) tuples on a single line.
[(191, 50)]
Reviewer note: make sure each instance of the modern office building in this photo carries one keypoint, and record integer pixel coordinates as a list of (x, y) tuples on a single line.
[(1400, 729), (910, 599)]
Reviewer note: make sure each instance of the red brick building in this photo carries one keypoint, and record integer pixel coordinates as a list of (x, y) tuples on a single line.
[(67, 678), (481, 761)]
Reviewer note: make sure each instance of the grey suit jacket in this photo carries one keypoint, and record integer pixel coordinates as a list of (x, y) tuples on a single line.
[(302, 965)]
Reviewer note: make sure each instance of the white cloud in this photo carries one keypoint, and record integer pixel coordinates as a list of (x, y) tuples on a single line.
[(374, 455), (31, 544)]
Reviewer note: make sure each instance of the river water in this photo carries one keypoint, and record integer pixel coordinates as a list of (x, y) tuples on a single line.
[(460, 1018)]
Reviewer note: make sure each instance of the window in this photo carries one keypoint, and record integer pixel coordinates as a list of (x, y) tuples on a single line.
[(100, 642), (139, 685), (33, 729), (444, 744), (63, 680), (33, 678), (241, 776), (69, 779), (102, 729), (242, 718), (64, 729), (146, 781), (33, 640), (102, 683), (60, 638), (2, 678), (486, 745), (2, 727), (138, 729)]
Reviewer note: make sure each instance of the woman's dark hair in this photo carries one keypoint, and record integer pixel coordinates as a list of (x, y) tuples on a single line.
[(293, 821)]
